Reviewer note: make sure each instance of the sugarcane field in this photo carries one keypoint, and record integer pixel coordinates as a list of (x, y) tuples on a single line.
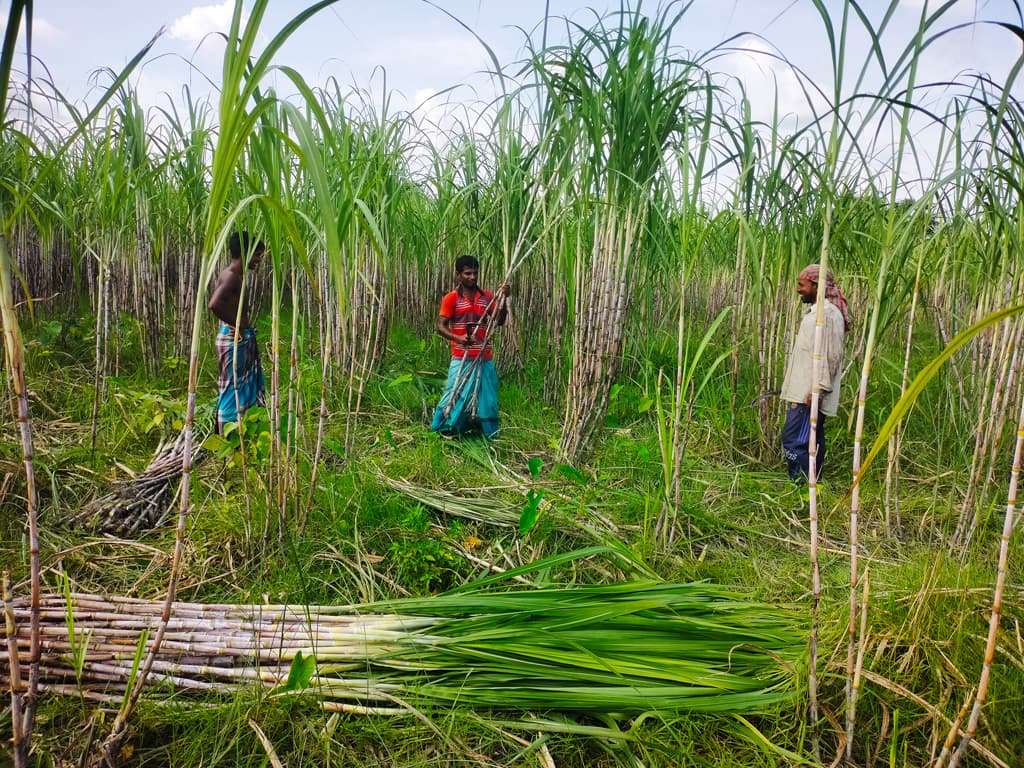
[(527, 385)]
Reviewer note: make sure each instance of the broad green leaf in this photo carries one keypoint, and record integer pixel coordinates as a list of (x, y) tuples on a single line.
[(531, 512), (300, 673), (215, 443), (535, 463), (572, 473)]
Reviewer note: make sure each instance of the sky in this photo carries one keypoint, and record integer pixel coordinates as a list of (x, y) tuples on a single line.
[(422, 49), (414, 48)]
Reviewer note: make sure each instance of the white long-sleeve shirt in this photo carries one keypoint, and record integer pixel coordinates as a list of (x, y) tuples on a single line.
[(796, 386)]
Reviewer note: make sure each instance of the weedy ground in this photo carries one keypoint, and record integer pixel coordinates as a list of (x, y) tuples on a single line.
[(353, 535)]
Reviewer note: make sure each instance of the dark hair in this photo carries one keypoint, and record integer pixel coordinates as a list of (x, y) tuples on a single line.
[(239, 244), (463, 262)]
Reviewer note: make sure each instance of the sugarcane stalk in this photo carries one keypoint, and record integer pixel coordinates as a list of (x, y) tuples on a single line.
[(598, 329), (17, 688), (851, 648), (984, 409), (99, 373), (325, 325), (287, 481), (954, 730), (954, 365), (892, 469), (23, 699), (738, 296), (1000, 418), (677, 430)]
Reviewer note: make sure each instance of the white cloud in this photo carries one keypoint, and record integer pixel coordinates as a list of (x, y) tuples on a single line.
[(421, 98), (766, 78), (202, 20), (45, 31)]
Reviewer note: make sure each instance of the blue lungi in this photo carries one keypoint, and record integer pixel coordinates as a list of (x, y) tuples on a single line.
[(470, 398), (239, 389)]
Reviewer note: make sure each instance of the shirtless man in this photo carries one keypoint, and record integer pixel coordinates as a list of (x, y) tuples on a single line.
[(241, 384)]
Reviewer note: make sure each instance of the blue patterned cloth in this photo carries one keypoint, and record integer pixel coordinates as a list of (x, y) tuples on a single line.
[(238, 389), (470, 398)]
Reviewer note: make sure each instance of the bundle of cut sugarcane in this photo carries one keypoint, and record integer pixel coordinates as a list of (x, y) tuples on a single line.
[(620, 650), (141, 502), (490, 510)]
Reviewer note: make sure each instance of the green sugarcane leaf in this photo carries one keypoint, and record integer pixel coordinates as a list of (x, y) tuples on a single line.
[(757, 738), (140, 649), (535, 463)]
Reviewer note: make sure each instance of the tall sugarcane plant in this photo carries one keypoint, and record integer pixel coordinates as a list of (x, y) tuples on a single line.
[(23, 694), (185, 138), (238, 119), (24, 697), (615, 98)]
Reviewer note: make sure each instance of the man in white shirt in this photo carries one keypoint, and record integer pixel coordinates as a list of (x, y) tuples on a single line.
[(796, 386)]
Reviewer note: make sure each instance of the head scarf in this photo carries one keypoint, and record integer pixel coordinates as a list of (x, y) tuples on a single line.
[(832, 292)]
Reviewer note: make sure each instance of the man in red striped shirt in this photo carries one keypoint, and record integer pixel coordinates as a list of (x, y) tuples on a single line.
[(470, 398)]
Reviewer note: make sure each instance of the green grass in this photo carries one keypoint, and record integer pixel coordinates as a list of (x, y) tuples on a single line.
[(364, 541)]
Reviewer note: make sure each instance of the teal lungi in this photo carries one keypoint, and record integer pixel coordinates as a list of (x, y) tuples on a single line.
[(470, 398), (238, 389)]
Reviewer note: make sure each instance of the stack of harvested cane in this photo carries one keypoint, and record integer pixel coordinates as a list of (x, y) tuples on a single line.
[(619, 649), (141, 502), (489, 510)]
